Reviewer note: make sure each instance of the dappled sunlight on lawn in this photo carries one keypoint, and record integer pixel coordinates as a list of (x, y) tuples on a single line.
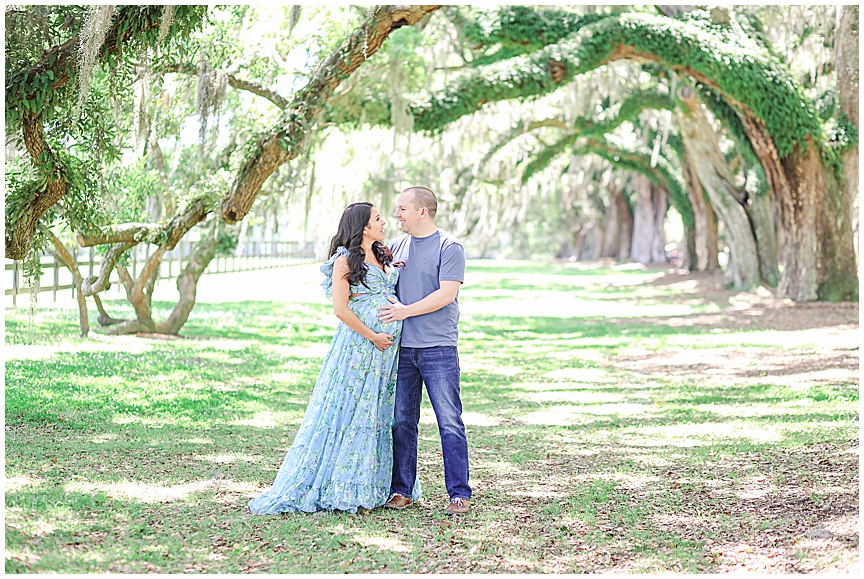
[(265, 419), (198, 440), (16, 483), (102, 344), (804, 380), (492, 364), (143, 492), (478, 419), (842, 336), (627, 481), (561, 415), (220, 458), (585, 375), (153, 421), (610, 429), (684, 521), (541, 493), (790, 408), (701, 434), (570, 307), (504, 469), (427, 416), (315, 351), (756, 487), (575, 395), (382, 543)]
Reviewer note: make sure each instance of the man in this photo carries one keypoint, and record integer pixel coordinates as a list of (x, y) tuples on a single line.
[(427, 290)]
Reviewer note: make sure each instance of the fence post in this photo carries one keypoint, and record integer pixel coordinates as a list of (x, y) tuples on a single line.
[(91, 260)]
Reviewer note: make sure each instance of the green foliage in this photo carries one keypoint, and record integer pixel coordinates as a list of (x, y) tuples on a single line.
[(226, 240), (826, 103), (525, 28), (542, 159), (663, 173), (131, 185), (740, 68), (842, 134), (365, 99), (40, 82), (79, 206)]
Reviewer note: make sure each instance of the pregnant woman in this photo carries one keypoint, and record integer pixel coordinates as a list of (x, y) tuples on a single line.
[(342, 455)]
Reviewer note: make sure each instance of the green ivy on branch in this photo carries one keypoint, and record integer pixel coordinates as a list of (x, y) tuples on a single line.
[(662, 174), (628, 110), (722, 58)]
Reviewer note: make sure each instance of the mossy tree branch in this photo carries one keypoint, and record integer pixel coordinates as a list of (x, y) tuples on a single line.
[(33, 92), (285, 141), (739, 68), (62, 254), (628, 110), (233, 82), (166, 236), (93, 285), (781, 124)]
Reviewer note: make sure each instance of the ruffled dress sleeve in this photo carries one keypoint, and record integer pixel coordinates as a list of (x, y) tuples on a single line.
[(327, 270)]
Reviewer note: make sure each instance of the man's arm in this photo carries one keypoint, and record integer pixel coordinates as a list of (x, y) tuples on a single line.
[(444, 295)]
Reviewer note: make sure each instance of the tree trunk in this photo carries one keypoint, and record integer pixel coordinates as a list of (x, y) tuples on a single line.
[(705, 250), (625, 216), (286, 142), (659, 206), (187, 284), (846, 64), (688, 257), (104, 318), (93, 285), (643, 220), (589, 244), (818, 264), (63, 255), (760, 211), (703, 155), (19, 237), (143, 314), (611, 226)]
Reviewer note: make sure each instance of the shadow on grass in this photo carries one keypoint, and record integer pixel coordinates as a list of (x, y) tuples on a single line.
[(592, 450)]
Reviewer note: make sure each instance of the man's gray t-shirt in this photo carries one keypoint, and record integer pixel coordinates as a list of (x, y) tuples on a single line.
[(428, 261)]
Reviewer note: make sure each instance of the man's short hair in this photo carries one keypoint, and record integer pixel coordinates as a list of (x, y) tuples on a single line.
[(423, 197)]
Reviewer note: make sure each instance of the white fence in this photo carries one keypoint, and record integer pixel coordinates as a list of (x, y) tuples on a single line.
[(255, 255)]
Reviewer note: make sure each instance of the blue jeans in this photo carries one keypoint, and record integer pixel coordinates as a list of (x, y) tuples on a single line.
[(438, 368)]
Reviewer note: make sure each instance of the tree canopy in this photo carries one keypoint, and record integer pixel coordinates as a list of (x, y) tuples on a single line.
[(137, 126)]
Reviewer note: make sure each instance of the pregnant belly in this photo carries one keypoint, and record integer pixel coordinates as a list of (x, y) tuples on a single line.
[(366, 308)]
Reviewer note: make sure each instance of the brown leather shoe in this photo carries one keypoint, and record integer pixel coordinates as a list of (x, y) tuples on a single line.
[(397, 501), (458, 507)]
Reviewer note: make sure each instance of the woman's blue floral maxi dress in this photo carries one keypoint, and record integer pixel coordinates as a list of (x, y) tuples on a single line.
[(342, 455)]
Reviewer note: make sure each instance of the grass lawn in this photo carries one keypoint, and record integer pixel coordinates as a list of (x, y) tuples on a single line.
[(620, 419)]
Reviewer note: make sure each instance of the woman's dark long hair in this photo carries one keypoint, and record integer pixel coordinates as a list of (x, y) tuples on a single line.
[(350, 234)]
